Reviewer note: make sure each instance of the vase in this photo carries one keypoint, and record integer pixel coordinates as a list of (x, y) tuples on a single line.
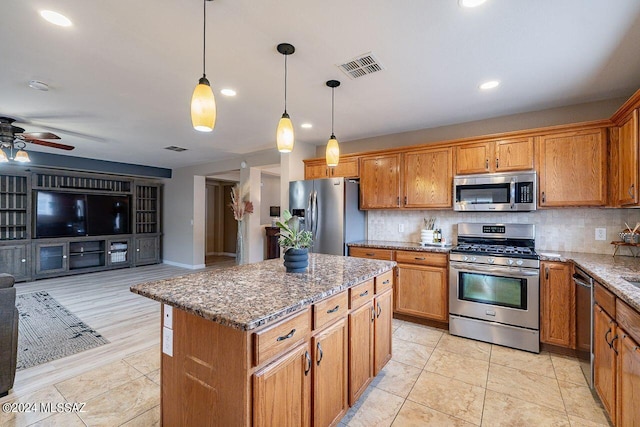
[(240, 245), (296, 260)]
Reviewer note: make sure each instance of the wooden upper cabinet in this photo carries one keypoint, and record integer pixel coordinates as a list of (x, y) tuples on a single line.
[(572, 168), (428, 177), (317, 168), (495, 156), (627, 162), (557, 304), (380, 182)]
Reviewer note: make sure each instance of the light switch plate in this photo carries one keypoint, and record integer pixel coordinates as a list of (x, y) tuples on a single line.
[(400, 228), (167, 319), (167, 341)]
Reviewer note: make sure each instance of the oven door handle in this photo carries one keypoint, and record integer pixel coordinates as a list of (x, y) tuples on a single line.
[(511, 271)]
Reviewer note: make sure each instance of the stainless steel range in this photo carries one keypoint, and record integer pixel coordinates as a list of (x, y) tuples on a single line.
[(494, 285)]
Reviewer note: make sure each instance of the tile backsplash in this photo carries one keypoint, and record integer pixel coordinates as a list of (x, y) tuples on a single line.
[(565, 230)]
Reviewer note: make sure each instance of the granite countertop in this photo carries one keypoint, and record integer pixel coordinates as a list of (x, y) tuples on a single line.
[(248, 296), (402, 246), (606, 269)]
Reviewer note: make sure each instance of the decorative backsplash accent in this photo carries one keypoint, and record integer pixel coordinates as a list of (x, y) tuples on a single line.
[(565, 230)]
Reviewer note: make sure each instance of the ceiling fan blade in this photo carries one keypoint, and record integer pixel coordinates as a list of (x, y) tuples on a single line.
[(50, 144), (39, 135)]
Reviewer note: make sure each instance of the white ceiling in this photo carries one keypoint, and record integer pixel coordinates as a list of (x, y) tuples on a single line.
[(122, 76)]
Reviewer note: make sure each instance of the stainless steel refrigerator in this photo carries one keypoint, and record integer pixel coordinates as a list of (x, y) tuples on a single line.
[(329, 209)]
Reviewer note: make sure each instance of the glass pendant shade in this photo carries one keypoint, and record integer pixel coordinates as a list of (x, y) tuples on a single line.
[(333, 151), (3, 157), (22, 157), (203, 107), (284, 134)]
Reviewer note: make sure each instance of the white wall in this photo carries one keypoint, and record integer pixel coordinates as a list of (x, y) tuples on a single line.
[(270, 196)]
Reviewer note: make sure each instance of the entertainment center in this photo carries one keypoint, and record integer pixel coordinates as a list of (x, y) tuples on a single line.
[(55, 223)]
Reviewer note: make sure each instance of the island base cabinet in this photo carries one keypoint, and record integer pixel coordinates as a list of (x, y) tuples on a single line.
[(281, 391), (360, 350), (330, 380), (604, 330), (383, 332), (628, 391)]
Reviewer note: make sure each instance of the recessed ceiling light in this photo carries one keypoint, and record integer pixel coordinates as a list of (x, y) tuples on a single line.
[(471, 3), (489, 85), (228, 92), (38, 85), (55, 18), (306, 125)]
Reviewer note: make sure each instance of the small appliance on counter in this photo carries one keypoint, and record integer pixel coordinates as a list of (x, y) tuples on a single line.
[(494, 285)]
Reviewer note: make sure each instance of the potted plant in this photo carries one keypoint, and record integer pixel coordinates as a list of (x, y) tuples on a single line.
[(295, 243)]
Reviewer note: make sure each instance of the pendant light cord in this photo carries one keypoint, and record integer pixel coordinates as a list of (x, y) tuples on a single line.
[(204, 37), (285, 83), (332, 107)]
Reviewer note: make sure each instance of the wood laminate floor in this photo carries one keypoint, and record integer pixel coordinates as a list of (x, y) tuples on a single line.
[(433, 379)]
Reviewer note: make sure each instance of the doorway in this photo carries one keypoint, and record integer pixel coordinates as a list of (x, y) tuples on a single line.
[(221, 228)]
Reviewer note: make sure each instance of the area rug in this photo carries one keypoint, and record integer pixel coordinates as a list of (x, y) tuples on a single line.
[(48, 331)]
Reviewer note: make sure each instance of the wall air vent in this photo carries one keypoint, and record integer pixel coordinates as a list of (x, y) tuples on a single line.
[(174, 148), (361, 66)]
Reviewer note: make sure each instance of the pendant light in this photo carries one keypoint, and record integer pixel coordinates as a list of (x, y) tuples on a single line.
[(203, 103), (284, 133), (333, 149)]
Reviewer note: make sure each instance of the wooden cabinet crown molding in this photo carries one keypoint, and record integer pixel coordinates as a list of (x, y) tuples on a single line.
[(624, 112)]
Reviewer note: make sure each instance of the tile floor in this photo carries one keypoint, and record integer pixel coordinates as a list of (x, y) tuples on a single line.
[(434, 379)]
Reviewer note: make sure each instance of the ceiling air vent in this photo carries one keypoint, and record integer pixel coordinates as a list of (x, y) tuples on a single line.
[(361, 66), (174, 148)]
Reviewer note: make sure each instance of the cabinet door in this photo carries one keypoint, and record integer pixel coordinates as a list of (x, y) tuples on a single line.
[(628, 161), (380, 182), (330, 380), (557, 304), (118, 252), (474, 158), (428, 178), (51, 258), (14, 260), (147, 250), (604, 331), (514, 154), (347, 168), (628, 386), (421, 291), (572, 168), (281, 391), (315, 170), (360, 350), (382, 330)]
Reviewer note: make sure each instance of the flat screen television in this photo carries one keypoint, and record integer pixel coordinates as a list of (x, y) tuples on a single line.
[(60, 214)]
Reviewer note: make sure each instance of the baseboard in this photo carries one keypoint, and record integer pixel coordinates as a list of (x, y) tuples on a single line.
[(189, 266)]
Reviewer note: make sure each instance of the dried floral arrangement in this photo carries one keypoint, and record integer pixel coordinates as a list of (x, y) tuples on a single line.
[(239, 206)]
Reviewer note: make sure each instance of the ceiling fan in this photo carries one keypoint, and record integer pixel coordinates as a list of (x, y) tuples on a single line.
[(14, 137)]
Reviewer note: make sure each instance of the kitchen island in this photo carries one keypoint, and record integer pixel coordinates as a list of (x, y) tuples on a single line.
[(254, 345)]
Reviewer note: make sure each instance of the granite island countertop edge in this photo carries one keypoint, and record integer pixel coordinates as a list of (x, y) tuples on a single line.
[(167, 291)]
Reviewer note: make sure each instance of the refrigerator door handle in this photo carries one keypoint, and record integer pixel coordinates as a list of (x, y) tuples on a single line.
[(314, 215), (309, 213)]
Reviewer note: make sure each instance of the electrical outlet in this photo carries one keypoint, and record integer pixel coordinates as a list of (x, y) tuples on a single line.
[(400, 228), (601, 234)]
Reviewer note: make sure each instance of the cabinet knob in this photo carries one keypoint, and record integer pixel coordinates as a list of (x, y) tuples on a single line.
[(138, 250), (23, 260), (64, 257)]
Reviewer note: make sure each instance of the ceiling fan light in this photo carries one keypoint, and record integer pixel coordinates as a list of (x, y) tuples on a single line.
[(3, 157), (22, 157), (203, 107), (284, 134), (333, 151)]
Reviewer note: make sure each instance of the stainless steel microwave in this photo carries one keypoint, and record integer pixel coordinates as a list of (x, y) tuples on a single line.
[(513, 191)]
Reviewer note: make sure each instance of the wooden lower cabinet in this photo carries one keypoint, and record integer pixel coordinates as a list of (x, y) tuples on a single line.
[(382, 330), (281, 391), (330, 374), (604, 330), (628, 382), (557, 304), (361, 350), (421, 291)]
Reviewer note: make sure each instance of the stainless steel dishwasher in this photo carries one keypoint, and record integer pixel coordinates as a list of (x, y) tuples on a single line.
[(584, 321)]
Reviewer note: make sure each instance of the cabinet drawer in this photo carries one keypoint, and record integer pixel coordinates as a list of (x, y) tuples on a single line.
[(422, 258), (605, 299), (383, 254), (360, 294), (280, 337), (384, 282), (628, 319), (330, 309)]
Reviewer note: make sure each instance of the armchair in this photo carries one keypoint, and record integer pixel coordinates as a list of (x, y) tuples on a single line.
[(8, 333)]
